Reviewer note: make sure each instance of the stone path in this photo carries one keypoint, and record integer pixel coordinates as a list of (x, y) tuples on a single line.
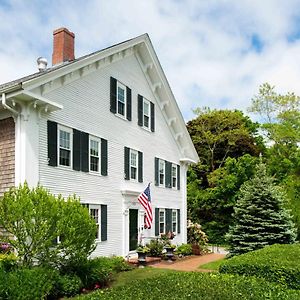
[(191, 263)]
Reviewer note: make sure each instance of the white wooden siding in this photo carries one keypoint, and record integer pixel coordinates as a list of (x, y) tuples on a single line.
[(87, 107)]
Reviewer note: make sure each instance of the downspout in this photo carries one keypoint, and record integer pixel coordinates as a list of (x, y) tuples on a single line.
[(7, 106)]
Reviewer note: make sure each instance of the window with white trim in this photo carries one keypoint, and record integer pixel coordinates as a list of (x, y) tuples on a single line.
[(146, 114), (65, 144), (162, 220), (161, 172), (95, 215), (121, 99), (133, 164), (94, 154), (174, 176), (174, 220)]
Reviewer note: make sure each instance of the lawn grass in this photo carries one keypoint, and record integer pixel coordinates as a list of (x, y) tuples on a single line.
[(214, 265), (125, 278)]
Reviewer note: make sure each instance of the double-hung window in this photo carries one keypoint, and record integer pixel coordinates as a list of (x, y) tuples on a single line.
[(121, 99), (161, 172), (162, 220), (174, 176), (94, 156), (95, 215), (65, 146), (174, 220), (133, 164), (146, 114)]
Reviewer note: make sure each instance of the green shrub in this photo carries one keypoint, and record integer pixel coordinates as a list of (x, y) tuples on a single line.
[(196, 286), (184, 249), (277, 263), (8, 261), (156, 247), (41, 218), (68, 285), (27, 284), (97, 271)]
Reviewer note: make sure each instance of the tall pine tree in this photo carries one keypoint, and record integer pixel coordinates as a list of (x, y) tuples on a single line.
[(259, 215)]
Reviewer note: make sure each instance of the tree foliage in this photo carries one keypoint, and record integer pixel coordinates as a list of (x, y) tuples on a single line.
[(35, 218), (212, 207), (260, 216)]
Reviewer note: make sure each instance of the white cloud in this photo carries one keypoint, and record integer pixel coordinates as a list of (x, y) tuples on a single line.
[(205, 47)]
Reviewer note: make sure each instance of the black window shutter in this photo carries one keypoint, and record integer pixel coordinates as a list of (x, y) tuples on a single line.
[(168, 174), (168, 220), (140, 170), (104, 157), (52, 143), (84, 141), (76, 149), (128, 103), (126, 162), (113, 95), (156, 175), (178, 177), (152, 117), (103, 222), (156, 221), (178, 220), (140, 110)]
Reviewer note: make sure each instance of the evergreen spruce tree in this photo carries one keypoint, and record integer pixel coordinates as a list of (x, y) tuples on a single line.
[(260, 217)]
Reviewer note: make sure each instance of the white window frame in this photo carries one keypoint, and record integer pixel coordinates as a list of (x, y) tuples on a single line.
[(172, 177), (164, 173), (122, 86), (136, 166), (70, 131), (174, 213), (162, 210), (97, 207), (149, 114), (98, 140)]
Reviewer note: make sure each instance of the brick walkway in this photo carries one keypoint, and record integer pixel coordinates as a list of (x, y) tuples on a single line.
[(191, 263)]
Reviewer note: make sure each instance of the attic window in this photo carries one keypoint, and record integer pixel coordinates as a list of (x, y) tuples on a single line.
[(121, 99)]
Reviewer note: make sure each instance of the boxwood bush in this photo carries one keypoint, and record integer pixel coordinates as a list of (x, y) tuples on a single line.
[(197, 286), (277, 263)]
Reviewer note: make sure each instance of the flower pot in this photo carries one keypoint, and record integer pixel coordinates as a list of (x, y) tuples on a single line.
[(169, 253), (142, 258)]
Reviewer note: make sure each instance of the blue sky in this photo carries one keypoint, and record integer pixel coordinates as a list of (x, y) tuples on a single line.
[(214, 53)]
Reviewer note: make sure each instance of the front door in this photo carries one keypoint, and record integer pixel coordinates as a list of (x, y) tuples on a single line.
[(133, 229)]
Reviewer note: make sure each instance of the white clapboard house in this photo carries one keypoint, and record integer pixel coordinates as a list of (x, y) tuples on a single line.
[(101, 126)]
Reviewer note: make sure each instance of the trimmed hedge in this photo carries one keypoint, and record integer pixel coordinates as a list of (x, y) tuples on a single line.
[(276, 263), (196, 286)]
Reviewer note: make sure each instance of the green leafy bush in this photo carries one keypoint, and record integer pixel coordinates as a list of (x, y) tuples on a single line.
[(67, 285), (27, 284), (156, 247), (195, 235), (196, 286), (41, 218), (8, 261), (98, 271), (277, 263), (184, 249)]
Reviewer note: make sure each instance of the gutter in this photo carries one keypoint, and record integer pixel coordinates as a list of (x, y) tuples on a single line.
[(6, 106)]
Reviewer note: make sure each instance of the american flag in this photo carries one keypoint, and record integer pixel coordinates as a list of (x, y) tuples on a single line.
[(145, 199)]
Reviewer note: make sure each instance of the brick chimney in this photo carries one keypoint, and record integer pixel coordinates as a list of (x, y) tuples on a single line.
[(63, 46)]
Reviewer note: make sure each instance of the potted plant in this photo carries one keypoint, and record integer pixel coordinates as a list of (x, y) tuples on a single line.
[(142, 253)]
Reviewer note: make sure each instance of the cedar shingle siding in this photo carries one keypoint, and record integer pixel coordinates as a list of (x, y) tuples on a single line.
[(7, 154)]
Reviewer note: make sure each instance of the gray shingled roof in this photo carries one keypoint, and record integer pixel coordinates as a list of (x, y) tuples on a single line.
[(19, 81)]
